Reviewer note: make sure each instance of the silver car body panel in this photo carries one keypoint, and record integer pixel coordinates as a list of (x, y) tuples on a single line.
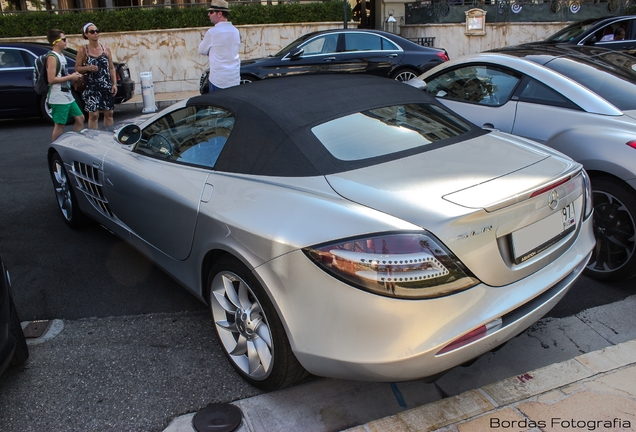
[(398, 340), (177, 215), (595, 136)]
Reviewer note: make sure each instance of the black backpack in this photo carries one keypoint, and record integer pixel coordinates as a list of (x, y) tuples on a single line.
[(40, 78)]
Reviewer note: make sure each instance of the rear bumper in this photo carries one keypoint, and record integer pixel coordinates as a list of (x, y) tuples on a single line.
[(339, 331)]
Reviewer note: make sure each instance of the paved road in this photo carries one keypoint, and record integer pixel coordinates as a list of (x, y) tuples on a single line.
[(136, 348)]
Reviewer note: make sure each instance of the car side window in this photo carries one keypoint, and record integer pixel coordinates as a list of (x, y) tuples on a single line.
[(192, 135), (481, 84), (324, 44), (362, 42), (10, 58), (388, 45), (532, 91)]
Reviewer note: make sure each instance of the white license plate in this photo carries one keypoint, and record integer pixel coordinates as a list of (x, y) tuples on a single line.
[(533, 239)]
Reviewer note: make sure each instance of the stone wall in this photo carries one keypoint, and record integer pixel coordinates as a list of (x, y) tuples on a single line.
[(171, 55), (452, 37)]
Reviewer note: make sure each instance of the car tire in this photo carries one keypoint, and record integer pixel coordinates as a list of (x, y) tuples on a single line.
[(64, 194), (46, 113), (21, 352), (404, 75), (249, 329), (614, 220)]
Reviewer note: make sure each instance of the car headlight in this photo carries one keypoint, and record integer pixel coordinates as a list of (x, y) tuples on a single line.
[(412, 265)]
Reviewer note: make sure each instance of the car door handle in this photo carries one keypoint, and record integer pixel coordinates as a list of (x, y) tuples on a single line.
[(392, 55), (328, 59)]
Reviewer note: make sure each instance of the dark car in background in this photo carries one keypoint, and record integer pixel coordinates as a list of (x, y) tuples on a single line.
[(370, 52), (17, 97), (596, 31), (13, 346)]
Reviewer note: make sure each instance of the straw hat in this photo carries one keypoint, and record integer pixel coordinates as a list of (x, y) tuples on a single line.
[(218, 5)]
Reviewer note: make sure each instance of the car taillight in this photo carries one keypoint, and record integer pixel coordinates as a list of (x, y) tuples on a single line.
[(443, 55), (632, 144), (413, 265)]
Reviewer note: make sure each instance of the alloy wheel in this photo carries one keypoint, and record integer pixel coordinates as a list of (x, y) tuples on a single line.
[(405, 76), (62, 189), (242, 325), (615, 233)]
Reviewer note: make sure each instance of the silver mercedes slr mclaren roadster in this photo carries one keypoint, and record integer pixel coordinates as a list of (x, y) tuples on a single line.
[(346, 226)]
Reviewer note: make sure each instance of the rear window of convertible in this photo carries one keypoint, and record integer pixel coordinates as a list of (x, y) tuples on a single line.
[(387, 130)]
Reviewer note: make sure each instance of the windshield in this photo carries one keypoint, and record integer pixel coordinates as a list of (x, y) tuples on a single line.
[(387, 130), (611, 76), (570, 32)]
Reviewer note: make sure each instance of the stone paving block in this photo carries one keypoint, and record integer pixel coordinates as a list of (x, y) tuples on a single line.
[(582, 411), (493, 420), (357, 429), (435, 415), (539, 381), (621, 382), (609, 358)]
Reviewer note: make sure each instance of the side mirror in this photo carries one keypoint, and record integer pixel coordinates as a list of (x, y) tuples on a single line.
[(419, 84), (298, 52), (590, 41), (129, 134)]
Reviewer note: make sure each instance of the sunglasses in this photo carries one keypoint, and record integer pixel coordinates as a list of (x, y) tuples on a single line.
[(63, 39), (93, 31)]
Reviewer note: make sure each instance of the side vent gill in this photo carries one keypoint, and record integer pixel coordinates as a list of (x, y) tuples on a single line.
[(88, 181)]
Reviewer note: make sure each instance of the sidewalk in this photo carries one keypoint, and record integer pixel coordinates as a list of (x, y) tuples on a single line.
[(594, 391), (162, 100)]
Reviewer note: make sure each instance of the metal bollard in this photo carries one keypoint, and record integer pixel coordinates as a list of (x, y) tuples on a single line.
[(148, 92)]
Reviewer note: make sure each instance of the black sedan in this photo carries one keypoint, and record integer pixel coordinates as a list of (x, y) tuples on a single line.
[(597, 31), (17, 97), (13, 346), (371, 52)]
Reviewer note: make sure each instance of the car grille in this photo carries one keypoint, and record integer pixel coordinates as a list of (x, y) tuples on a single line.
[(88, 181)]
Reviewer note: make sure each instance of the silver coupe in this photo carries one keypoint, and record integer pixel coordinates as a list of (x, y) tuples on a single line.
[(578, 100), (346, 226)]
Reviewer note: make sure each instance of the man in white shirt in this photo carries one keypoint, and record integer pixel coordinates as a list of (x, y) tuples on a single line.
[(221, 45)]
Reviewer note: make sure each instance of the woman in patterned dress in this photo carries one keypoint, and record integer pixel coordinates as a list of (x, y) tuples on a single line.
[(95, 60)]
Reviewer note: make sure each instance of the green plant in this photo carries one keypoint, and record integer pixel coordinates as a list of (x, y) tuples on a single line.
[(39, 22)]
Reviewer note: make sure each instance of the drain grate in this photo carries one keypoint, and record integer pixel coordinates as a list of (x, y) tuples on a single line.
[(35, 329)]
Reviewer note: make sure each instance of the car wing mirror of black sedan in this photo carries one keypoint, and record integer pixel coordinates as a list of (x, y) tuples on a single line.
[(129, 134), (296, 53)]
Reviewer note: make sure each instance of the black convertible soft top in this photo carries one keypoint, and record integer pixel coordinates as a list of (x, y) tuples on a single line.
[(272, 134)]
